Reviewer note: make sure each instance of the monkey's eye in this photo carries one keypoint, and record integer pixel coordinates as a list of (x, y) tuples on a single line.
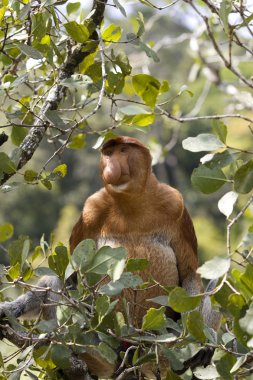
[(123, 149), (108, 152)]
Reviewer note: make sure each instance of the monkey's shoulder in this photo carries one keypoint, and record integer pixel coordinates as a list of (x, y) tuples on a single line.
[(96, 207), (169, 200)]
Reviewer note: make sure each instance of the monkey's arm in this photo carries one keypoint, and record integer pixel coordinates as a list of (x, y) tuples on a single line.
[(185, 246), (35, 301)]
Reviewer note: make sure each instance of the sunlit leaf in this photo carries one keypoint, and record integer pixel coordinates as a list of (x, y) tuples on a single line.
[(207, 373), (181, 301), (78, 32), (221, 130), (6, 231), (202, 142), (112, 33), (214, 268), (154, 319), (227, 202), (147, 87), (61, 169), (30, 175), (73, 7), (137, 264), (77, 141)]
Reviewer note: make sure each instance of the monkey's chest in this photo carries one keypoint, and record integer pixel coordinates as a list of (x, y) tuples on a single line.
[(162, 268)]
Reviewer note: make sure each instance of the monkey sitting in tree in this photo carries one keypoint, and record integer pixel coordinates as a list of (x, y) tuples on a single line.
[(148, 218)]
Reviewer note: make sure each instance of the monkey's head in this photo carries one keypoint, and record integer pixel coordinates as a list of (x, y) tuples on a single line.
[(125, 165)]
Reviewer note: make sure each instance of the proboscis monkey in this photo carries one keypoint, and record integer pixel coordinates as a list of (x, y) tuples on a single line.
[(148, 218)]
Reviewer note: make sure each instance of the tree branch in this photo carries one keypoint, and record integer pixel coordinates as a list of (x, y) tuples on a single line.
[(56, 94), (77, 368)]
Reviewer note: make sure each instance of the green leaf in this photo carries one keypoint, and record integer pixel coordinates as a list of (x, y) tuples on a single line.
[(225, 9), (6, 165), (112, 288), (227, 202), (207, 373), (44, 271), (240, 361), (29, 51), (165, 86), (78, 32), (18, 134), (75, 81), (54, 118), (154, 319), (207, 180), (25, 252), (247, 277), (45, 182), (196, 329), (243, 179), (6, 232), (123, 62), (141, 120), (30, 176), (149, 52), (105, 258), (111, 34), (83, 255), (221, 130), (42, 357), (77, 142), (104, 307), (2, 12), (61, 169), (127, 280), (147, 87), (137, 264), (140, 20), (115, 83), (180, 301), (14, 271), (172, 375), (73, 7), (222, 296), (224, 366), (47, 326), (236, 305), (219, 160), (60, 355), (132, 110), (130, 280), (120, 7), (160, 300), (215, 268), (202, 142), (59, 260)]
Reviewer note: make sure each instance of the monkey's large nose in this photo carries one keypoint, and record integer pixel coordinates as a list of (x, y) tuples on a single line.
[(112, 173)]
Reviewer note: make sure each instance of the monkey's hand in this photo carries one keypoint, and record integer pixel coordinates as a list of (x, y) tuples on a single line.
[(42, 299), (25, 305)]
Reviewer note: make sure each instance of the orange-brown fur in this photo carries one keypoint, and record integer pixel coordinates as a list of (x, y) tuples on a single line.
[(148, 218)]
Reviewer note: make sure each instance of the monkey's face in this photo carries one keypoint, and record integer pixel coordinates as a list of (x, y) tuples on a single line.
[(124, 167)]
